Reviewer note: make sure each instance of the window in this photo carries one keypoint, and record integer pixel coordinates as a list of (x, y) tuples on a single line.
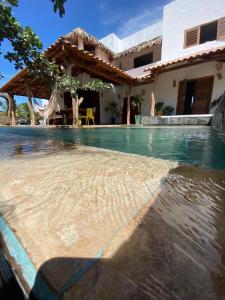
[(208, 32), (143, 60), (205, 33)]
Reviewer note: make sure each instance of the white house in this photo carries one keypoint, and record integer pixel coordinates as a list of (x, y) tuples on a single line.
[(179, 60), (189, 28)]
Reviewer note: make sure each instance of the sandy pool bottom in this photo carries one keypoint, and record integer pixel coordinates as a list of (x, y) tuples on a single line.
[(73, 203), (156, 227)]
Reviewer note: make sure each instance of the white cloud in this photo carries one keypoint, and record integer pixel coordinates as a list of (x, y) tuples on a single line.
[(146, 18)]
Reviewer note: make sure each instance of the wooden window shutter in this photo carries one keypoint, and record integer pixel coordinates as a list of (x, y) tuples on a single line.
[(221, 29), (192, 37), (181, 97)]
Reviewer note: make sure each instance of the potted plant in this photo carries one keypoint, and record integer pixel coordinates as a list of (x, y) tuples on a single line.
[(159, 109), (168, 110), (137, 101), (113, 108)]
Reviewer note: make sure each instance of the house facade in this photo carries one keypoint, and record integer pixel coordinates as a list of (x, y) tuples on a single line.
[(189, 28), (178, 62)]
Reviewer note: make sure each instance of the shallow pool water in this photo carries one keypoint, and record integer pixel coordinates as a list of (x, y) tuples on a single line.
[(202, 146), (157, 224)]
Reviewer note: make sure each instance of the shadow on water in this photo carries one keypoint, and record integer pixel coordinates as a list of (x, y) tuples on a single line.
[(174, 249)]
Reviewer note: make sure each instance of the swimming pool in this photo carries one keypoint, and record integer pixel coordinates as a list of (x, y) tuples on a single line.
[(112, 219), (201, 146)]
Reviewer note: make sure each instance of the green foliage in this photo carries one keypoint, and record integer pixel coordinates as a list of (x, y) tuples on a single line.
[(70, 84), (25, 43), (167, 110), (95, 85), (44, 70), (59, 6), (160, 109), (23, 112), (137, 101)]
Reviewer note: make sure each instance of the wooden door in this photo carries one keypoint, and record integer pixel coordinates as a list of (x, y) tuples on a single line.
[(203, 95), (181, 97), (133, 112)]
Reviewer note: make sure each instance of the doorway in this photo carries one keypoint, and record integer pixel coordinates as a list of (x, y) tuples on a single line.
[(133, 112), (91, 100), (194, 96)]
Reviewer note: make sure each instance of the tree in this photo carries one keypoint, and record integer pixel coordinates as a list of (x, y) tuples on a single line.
[(67, 83), (26, 45), (26, 52), (23, 112)]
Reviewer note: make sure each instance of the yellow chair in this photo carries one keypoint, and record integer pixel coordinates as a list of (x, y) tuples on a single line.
[(89, 116)]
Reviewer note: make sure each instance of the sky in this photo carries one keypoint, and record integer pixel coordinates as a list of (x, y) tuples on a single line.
[(99, 18)]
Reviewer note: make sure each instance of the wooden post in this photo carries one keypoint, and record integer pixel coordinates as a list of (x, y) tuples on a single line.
[(9, 100), (128, 105), (30, 105), (13, 111), (75, 111)]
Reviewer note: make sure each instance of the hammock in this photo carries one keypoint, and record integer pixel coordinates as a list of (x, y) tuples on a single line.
[(53, 106)]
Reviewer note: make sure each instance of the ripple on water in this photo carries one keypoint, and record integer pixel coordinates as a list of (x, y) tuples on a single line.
[(162, 227)]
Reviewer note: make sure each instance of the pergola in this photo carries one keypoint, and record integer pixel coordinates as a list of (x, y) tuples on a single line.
[(69, 50), (64, 52)]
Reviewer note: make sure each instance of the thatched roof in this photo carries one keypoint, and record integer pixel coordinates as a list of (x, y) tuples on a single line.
[(140, 47), (72, 37)]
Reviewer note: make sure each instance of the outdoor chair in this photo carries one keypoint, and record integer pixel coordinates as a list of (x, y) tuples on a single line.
[(89, 116)]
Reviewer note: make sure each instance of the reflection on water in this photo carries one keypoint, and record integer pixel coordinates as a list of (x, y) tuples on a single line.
[(17, 146), (196, 145)]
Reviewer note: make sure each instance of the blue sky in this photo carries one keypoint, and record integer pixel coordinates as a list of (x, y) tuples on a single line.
[(99, 18)]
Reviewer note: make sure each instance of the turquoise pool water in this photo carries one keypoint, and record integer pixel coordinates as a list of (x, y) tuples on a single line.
[(202, 146)]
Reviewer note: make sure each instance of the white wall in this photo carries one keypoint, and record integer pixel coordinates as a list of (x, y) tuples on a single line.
[(112, 42), (147, 34), (165, 92), (115, 94), (118, 45), (163, 88), (180, 15)]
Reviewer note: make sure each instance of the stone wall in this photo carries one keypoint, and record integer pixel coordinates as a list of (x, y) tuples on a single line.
[(177, 120), (218, 120)]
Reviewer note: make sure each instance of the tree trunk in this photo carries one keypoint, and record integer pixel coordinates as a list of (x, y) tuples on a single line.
[(9, 109), (32, 113), (13, 112), (12, 109), (75, 111)]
